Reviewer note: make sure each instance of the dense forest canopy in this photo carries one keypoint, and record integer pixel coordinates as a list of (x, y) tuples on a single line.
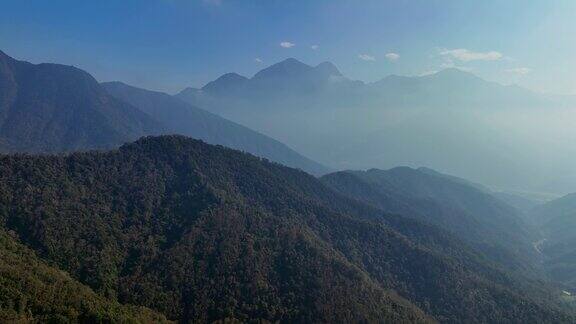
[(201, 233)]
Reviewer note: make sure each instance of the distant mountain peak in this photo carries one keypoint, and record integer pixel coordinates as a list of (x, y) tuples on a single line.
[(288, 67), (190, 91), (453, 73), (225, 82), (62, 108), (328, 68), (291, 61), (398, 77), (186, 119), (230, 77), (115, 84)]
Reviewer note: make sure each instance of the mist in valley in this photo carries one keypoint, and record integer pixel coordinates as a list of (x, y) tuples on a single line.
[(327, 161), (506, 137)]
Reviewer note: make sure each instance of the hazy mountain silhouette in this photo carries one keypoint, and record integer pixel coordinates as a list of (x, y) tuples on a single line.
[(557, 220), (182, 118), (226, 85), (453, 87), (522, 202), (557, 208), (57, 108), (447, 120), (54, 108), (281, 83)]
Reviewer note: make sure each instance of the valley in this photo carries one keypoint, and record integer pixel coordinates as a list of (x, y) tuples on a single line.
[(224, 162)]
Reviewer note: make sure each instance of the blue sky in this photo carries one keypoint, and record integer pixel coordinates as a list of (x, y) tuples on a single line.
[(170, 44)]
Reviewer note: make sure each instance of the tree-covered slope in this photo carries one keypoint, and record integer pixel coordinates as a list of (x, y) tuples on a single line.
[(33, 292), (556, 220), (462, 208), (201, 233)]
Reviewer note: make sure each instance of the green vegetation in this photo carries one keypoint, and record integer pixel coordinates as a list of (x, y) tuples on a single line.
[(557, 219), (203, 233), (32, 291), (463, 208)]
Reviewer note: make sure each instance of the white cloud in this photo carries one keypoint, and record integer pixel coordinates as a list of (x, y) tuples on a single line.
[(287, 44), (465, 55), (366, 57), (392, 56), (258, 60), (520, 71), (314, 47)]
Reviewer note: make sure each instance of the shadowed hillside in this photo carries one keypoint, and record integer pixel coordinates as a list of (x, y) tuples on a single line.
[(33, 292), (199, 232), (54, 108), (184, 119), (463, 208)]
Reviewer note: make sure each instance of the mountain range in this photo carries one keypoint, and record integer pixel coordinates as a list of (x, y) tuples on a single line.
[(58, 108), (109, 217), (556, 220), (470, 212), (448, 120), (50, 108), (182, 118), (293, 80), (201, 233)]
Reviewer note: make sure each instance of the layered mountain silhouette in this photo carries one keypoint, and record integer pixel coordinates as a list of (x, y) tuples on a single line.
[(288, 75), (173, 228), (558, 208), (289, 83), (55, 108), (557, 219), (203, 233), (447, 120), (182, 118), (49, 108), (466, 209), (453, 87), (292, 80), (520, 201)]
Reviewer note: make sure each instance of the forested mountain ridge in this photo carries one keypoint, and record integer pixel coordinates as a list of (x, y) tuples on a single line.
[(200, 232), (556, 220), (463, 208), (33, 292)]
